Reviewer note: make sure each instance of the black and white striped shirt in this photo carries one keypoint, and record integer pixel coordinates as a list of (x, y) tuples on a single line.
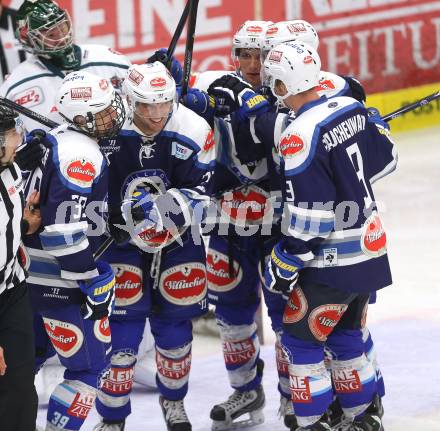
[(11, 213)]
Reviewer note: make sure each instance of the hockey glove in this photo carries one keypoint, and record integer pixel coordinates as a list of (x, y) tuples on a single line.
[(140, 212), (281, 272), (200, 102), (239, 96), (100, 293), (175, 67), (29, 155), (115, 226), (374, 117)]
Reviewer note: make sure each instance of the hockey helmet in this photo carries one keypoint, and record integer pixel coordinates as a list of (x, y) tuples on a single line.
[(249, 35), (289, 31), (44, 29), (151, 85), (295, 64), (91, 104)]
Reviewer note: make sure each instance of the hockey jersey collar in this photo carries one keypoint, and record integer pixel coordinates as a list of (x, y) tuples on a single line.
[(310, 105)]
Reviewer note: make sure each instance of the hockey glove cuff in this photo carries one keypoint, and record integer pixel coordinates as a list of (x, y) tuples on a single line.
[(281, 272), (100, 293), (375, 117)]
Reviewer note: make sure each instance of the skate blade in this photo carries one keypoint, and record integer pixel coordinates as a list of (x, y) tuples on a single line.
[(255, 418)]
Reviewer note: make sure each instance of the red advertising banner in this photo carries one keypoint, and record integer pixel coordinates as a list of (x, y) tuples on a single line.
[(386, 44)]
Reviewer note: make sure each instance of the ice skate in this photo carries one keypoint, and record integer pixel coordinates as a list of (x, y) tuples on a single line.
[(321, 425), (175, 415), (110, 426), (338, 421), (286, 412), (372, 420), (239, 403)]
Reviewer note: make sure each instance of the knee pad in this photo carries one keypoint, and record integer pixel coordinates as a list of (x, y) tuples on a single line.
[(173, 366), (117, 380), (310, 390), (241, 350), (69, 405)]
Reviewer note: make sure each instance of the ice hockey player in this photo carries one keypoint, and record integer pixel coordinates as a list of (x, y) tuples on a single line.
[(160, 166), (45, 30), (71, 293), (330, 154), (256, 143), (236, 247)]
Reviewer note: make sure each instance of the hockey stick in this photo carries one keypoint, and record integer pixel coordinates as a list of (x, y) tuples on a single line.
[(193, 5), (28, 113), (103, 247), (177, 33), (410, 107)]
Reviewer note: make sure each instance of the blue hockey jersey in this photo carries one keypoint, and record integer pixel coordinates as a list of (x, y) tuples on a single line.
[(330, 155), (73, 189), (178, 161)]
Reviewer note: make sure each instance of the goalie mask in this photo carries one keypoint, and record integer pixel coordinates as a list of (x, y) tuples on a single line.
[(44, 29), (151, 95), (11, 135), (91, 105), (296, 65)]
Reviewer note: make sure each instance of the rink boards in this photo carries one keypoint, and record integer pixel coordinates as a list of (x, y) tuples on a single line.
[(425, 116)]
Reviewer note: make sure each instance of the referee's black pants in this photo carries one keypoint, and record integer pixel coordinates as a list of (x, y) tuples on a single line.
[(18, 397)]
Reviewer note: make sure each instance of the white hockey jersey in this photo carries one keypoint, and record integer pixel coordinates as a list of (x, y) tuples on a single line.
[(35, 82)]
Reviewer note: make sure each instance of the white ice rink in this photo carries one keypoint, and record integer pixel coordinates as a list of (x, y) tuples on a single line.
[(405, 323)]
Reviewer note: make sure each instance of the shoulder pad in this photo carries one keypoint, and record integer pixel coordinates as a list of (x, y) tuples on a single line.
[(95, 53), (24, 71), (77, 158), (298, 143), (193, 132), (332, 85)]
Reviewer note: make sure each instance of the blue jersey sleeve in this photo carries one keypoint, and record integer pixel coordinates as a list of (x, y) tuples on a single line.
[(69, 187)]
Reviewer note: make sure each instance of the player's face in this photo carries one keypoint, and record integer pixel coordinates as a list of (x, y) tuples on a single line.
[(57, 36), (152, 117), (12, 138), (105, 120), (250, 65)]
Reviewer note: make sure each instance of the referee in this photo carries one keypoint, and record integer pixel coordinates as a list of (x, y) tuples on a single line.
[(18, 398)]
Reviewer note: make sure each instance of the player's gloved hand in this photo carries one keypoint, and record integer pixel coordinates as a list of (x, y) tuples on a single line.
[(117, 227), (141, 209), (375, 117), (357, 91), (30, 154), (100, 293), (281, 272), (199, 102), (175, 67), (239, 95)]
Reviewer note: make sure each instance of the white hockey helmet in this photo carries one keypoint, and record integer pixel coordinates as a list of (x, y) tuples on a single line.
[(295, 64), (91, 104), (289, 31), (249, 35), (150, 84)]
